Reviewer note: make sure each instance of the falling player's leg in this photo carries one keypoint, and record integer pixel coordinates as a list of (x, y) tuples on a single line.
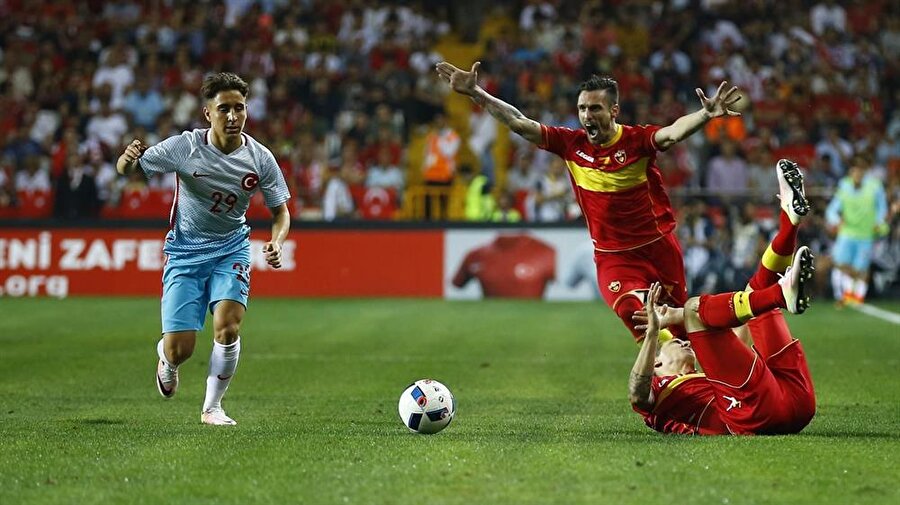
[(764, 294), (729, 310), (794, 207), (230, 289), (748, 396)]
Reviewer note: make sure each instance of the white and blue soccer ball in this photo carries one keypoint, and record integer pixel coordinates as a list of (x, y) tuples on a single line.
[(426, 406)]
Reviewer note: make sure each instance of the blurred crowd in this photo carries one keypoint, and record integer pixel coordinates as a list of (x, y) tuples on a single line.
[(335, 88), (341, 90)]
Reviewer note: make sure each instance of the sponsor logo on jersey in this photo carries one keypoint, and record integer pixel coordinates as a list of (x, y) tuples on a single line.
[(620, 156), (198, 175), (590, 159), (614, 286), (249, 182), (734, 403)]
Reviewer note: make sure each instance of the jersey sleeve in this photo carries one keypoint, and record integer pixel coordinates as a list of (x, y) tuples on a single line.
[(271, 181), (166, 156), (556, 139), (464, 274), (646, 135)]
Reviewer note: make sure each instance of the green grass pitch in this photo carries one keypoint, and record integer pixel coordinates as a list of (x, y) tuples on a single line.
[(541, 388)]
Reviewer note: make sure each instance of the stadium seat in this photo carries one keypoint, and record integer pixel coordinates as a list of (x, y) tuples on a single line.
[(258, 209), (143, 204), (376, 203), (520, 203), (35, 204)]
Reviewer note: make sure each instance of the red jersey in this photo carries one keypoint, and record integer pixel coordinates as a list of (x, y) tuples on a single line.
[(617, 184), (684, 404), (514, 266)]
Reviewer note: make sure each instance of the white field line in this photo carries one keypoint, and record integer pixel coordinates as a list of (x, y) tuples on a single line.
[(884, 315)]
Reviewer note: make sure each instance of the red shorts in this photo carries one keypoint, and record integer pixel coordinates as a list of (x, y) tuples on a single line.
[(631, 272), (776, 395)]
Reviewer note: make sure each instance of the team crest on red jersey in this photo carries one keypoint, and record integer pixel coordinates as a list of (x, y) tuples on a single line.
[(249, 182), (614, 286), (619, 156)]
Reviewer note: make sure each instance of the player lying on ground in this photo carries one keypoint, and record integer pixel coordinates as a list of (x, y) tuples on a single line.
[(612, 168), (208, 244), (765, 390)]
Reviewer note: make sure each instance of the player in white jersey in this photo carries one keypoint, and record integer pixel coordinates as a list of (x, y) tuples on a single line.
[(208, 244)]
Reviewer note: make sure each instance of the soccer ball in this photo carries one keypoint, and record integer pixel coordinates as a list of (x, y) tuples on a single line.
[(426, 406)]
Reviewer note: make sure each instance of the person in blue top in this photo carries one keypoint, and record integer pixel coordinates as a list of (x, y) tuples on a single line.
[(208, 244), (858, 211)]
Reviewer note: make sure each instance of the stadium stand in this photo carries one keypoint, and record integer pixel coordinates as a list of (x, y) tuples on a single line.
[(80, 79)]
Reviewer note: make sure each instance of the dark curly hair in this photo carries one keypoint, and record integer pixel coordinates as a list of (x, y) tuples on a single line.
[(223, 81), (602, 83)]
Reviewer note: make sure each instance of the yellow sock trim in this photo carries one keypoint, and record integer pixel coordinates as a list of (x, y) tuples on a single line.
[(741, 301), (776, 262)]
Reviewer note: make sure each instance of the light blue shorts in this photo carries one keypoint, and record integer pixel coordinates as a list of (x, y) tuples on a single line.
[(856, 253), (190, 290)]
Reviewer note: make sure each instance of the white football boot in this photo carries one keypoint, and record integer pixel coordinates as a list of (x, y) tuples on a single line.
[(166, 379), (793, 282), (790, 190), (216, 417)]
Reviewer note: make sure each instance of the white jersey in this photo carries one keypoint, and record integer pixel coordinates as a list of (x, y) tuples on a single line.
[(212, 192)]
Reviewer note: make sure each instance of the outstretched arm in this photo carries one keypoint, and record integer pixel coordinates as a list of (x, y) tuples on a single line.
[(466, 83), (641, 378), (719, 105)]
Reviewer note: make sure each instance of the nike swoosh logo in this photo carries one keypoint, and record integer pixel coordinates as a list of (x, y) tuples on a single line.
[(166, 392), (197, 174), (223, 378)]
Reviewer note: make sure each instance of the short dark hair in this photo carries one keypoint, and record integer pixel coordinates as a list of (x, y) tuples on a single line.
[(214, 84), (602, 83)]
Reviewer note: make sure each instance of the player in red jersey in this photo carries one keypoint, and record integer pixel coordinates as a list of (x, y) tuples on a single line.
[(764, 390), (612, 168)]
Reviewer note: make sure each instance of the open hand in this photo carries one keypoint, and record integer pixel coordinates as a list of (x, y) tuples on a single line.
[(720, 104), (649, 318), (461, 81)]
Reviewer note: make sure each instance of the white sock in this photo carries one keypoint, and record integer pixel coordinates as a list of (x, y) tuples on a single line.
[(222, 362), (860, 289), (837, 283), (849, 284), (160, 351)]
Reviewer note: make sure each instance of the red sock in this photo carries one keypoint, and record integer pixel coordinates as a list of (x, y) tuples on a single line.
[(729, 310), (626, 308), (766, 299), (785, 240), (778, 256)]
